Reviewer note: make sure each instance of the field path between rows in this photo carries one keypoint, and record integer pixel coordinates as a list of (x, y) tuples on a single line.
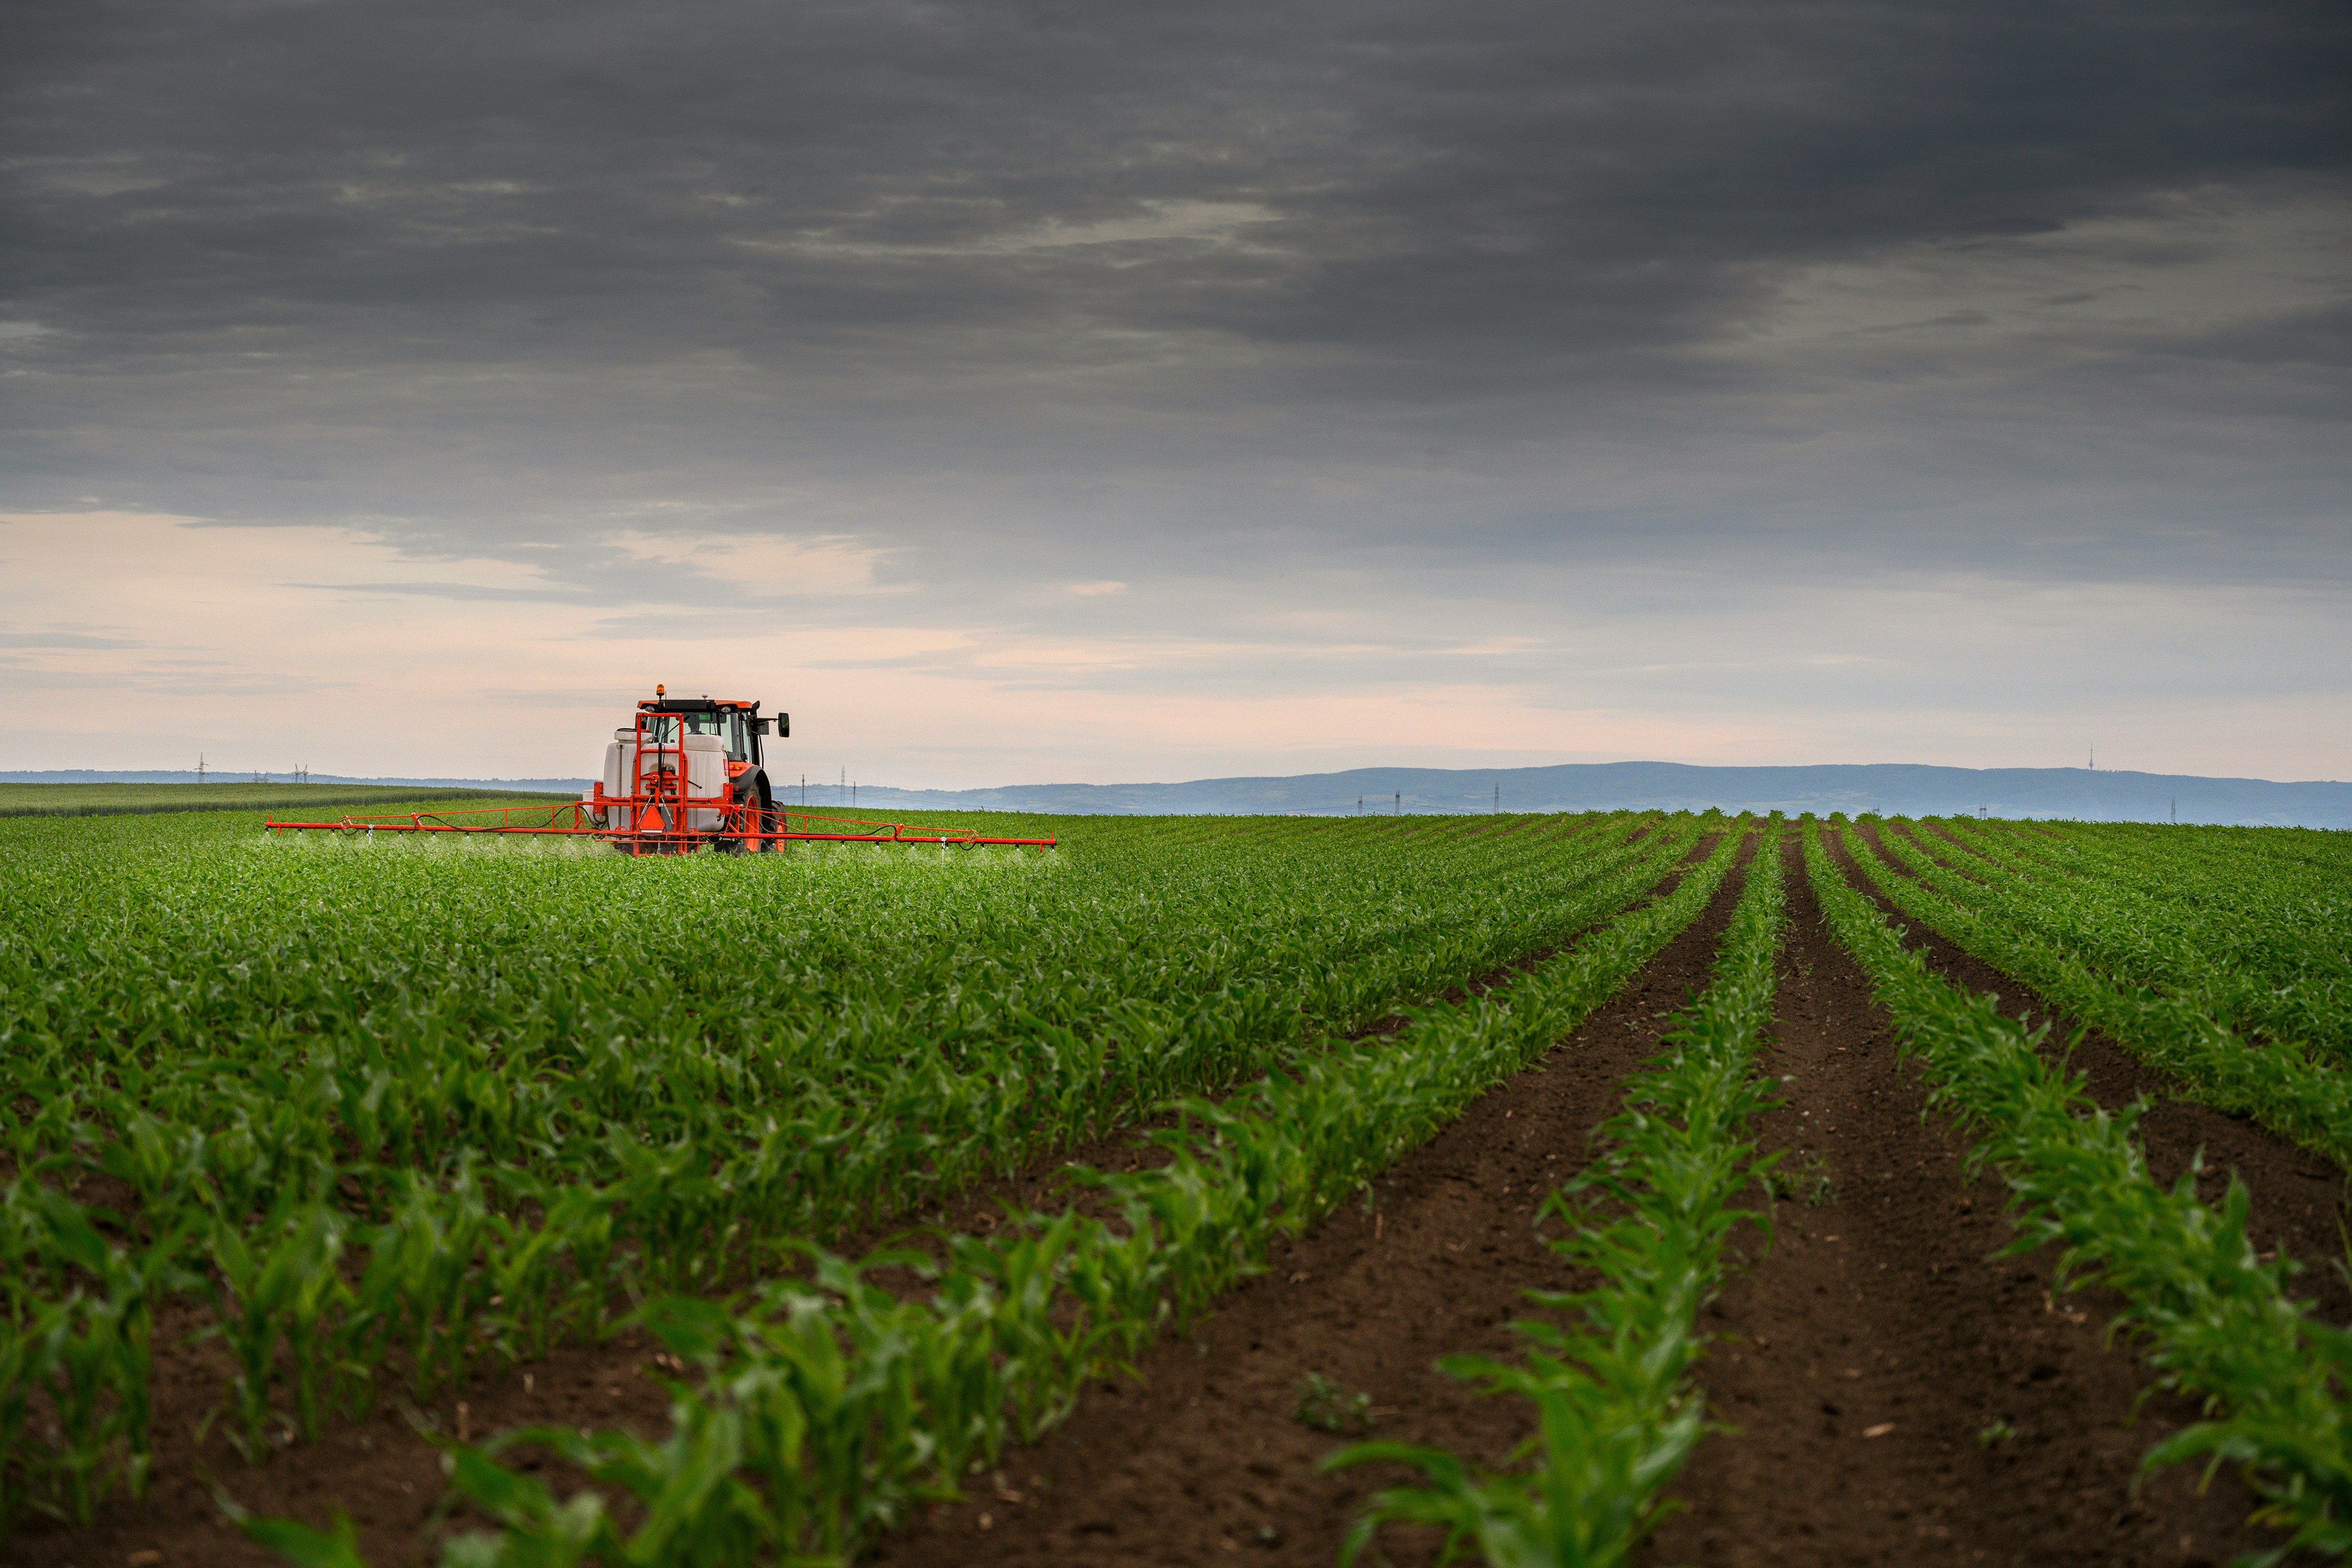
[(1201, 1462), (1864, 1358)]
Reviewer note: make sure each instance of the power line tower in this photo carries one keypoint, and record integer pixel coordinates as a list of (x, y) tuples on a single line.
[(200, 767)]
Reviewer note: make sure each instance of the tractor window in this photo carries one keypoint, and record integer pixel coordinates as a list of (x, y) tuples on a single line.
[(738, 736), (662, 730)]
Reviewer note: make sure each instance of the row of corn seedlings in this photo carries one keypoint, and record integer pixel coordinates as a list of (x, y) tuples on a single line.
[(2277, 1082), (825, 1406), (2237, 940), (1610, 1375), (2260, 919), (273, 1177), (445, 1282), (2297, 860), (2213, 1314), (416, 1066)]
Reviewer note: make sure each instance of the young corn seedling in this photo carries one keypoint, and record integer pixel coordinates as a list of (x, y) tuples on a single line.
[(93, 1352), (423, 1287), (526, 1274), (1328, 1406), (1024, 1274), (299, 1544), (83, 1355), (695, 1507), (287, 1292), (20, 1357), (966, 1386)]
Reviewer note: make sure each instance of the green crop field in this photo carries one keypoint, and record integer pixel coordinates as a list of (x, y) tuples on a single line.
[(142, 799), (305, 1131)]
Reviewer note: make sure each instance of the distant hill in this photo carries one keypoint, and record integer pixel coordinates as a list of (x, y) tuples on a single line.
[(1889, 788)]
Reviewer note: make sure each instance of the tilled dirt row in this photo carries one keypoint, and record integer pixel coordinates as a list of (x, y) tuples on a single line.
[(1202, 1461), (1902, 1392)]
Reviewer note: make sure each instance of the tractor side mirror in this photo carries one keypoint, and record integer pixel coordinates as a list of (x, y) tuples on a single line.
[(784, 726)]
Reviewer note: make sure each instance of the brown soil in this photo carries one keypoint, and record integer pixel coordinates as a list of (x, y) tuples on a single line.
[(1203, 1460), (1866, 1362)]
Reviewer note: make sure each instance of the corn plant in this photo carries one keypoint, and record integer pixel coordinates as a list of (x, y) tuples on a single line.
[(89, 1356), (281, 1288), (695, 1507), (1019, 1279), (337, 1547), (424, 1283), (20, 1357), (2281, 1083), (533, 1292), (84, 1347)]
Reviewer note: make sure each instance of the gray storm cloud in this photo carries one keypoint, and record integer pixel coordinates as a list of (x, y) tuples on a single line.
[(1385, 310)]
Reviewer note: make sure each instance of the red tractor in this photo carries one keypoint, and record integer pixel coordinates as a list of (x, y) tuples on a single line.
[(687, 772)]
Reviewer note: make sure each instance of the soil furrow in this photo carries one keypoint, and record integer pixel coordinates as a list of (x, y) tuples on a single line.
[(1203, 1462), (1902, 1394), (2300, 1198)]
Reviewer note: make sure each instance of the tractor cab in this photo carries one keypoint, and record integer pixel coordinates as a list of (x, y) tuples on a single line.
[(735, 725)]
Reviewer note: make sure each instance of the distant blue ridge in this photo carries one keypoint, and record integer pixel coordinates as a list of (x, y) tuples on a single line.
[(1891, 789)]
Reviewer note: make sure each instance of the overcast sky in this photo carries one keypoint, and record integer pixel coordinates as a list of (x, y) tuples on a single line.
[(1044, 391)]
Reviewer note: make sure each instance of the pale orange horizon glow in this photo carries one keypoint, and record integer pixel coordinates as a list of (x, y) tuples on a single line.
[(142, 639)]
